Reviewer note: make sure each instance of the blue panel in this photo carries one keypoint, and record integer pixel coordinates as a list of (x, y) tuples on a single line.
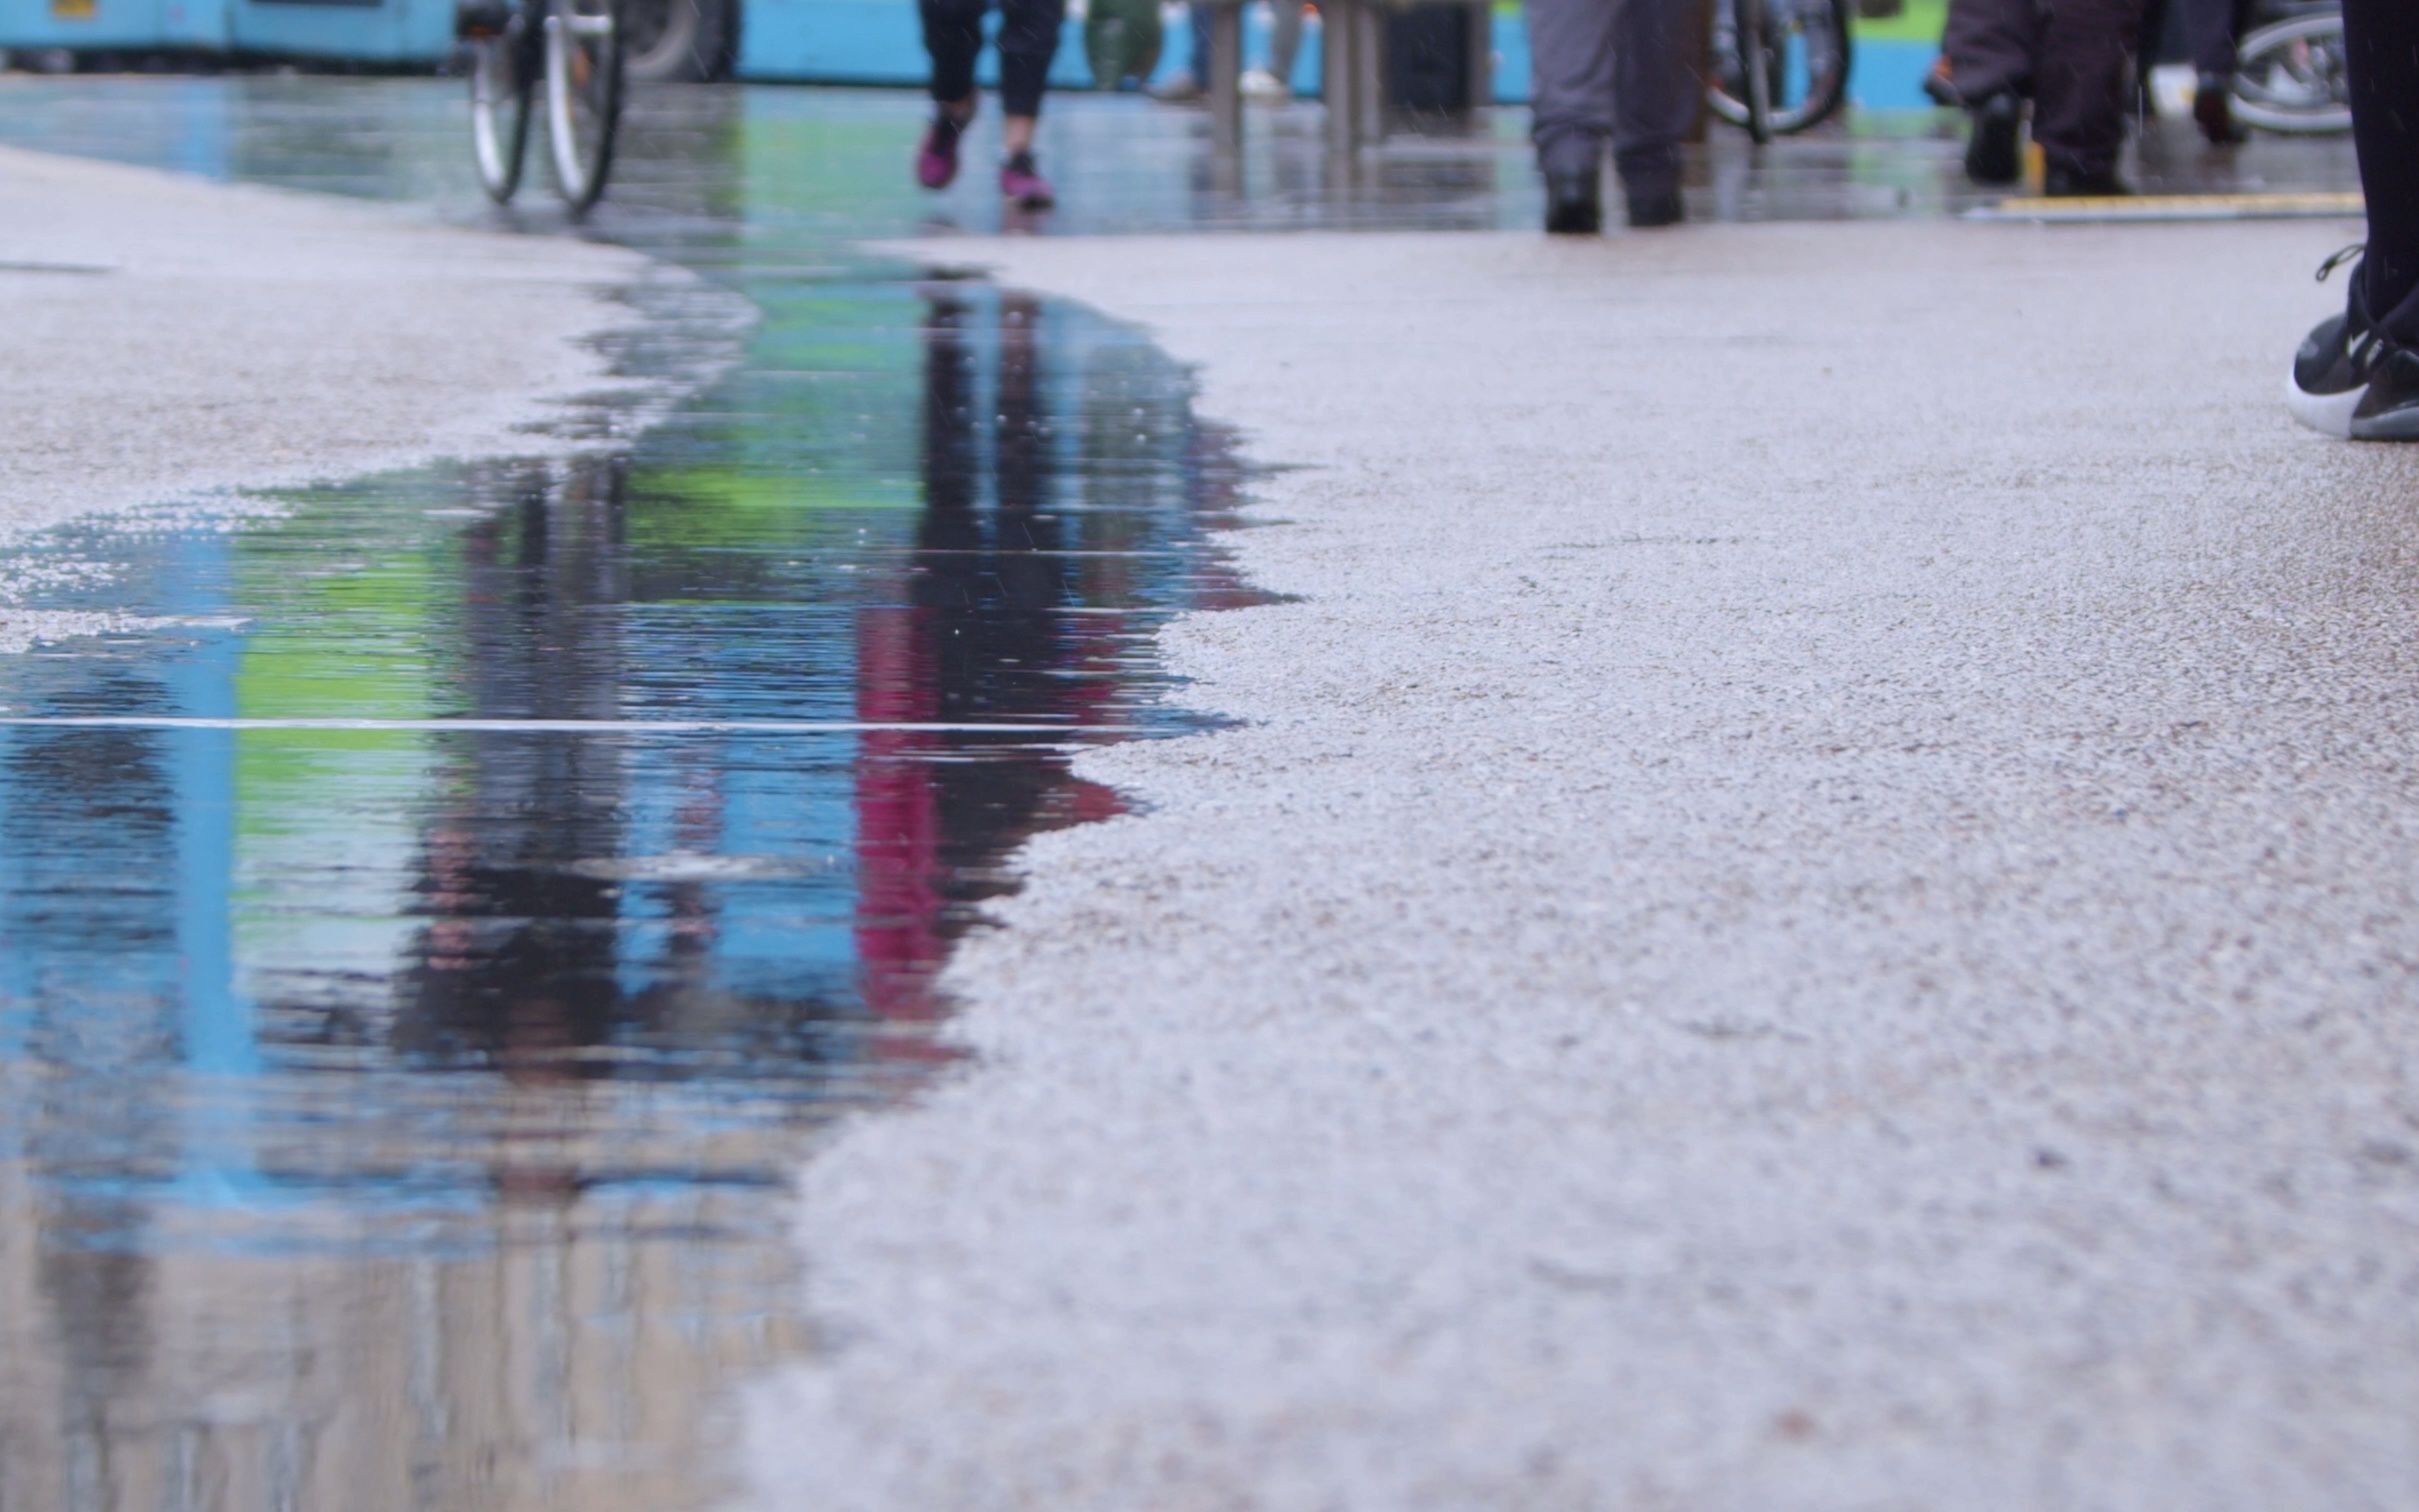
[(384, 31)]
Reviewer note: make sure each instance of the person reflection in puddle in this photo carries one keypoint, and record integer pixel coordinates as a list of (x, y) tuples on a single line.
[(979, 636)]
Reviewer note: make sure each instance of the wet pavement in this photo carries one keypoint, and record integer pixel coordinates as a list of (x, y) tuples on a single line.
[(432, 937), (430, 943)]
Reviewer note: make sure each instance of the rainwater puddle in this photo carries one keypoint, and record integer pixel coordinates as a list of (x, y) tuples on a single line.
[(430, 946)]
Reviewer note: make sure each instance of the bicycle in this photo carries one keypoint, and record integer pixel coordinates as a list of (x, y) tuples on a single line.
[(576, 45), (2289, 73), (1780, 66)]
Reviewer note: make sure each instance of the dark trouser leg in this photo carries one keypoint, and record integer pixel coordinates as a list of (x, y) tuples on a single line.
[(1655, 91), (2079, 86), (1990, 46), (1197, 22), (1028, 43), (953, 35), (2381, 41), (2210, 29), (1571, 74)]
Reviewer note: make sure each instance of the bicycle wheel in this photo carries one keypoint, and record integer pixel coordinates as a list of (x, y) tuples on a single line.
[(1805, 52), (583, 95), (501, 83), (2289, 77)]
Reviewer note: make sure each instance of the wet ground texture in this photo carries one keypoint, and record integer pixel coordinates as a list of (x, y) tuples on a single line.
[(433, 932)]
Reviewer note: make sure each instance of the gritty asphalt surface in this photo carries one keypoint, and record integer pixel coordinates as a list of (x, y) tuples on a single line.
[(168, 338), (1814, 909)]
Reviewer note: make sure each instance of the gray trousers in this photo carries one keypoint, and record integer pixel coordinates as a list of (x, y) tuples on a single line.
[(1617, 70)]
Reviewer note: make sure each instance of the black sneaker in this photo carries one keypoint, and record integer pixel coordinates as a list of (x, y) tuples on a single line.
[(1990, 153), (2389, 406), (1573, 204), (2330, 373)]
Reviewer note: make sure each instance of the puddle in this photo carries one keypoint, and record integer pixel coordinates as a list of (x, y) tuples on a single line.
[(430, 945)]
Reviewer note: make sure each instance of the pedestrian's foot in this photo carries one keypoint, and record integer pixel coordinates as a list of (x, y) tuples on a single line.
[(1649, 208), (1260, 84), (1177, 89), (1990, 153), (1573, 206), (937, 156), (2349, 381), (2078, 183), (2213, 110), (1022, 184), (2389, 408)]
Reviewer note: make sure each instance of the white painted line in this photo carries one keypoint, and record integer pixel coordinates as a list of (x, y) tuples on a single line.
[(554, 726)]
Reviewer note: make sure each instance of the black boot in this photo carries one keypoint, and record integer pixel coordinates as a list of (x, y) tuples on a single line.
[(1573, 204), (1990, 153)]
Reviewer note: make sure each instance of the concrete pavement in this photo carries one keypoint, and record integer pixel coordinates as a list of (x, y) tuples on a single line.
[(1814, 908), (168, 337)]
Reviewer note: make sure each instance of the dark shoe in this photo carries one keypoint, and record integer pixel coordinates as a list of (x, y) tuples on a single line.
[(1649, 208), (1573, 204), (2389, 406), (2075, 183), (2331, 370), (937, 154), (2213, 110), (1990, 153), (1022, 184)]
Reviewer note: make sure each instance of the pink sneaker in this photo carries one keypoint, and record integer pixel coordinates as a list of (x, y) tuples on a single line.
[(1023, 185), (937, 157)]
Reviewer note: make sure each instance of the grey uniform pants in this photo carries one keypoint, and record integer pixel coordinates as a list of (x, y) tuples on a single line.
[(1618, 70), (2074, 57)]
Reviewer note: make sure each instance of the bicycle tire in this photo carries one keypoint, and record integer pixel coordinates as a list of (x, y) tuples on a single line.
[(501, 85), (1827, 52), (2289, 78), (584, 76)]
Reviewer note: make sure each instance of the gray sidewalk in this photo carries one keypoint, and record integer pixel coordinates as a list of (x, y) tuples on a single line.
[(170, 336), (1814, 908)]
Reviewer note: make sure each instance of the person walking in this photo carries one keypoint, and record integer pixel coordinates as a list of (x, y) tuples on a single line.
[(2357, 374), (1617, 72), (1028, 42), (2074, 58), (2211, 30)]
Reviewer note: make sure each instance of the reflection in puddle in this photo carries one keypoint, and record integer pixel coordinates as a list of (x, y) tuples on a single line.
[(422, 968)]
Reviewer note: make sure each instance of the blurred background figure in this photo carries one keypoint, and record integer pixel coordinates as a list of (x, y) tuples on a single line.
[(1028, 41), (1273, 82), (1620, 72), (2073, 58), (2211, 28)]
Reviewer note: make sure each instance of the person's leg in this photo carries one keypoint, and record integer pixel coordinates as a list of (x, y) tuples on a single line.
[(1571, 110), (1284, 41), (2357, 374), (1990, 47), (1028, 42), (2210, 27), (2079, 89), (953, 35), (2381, 42), (1655, 93)]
